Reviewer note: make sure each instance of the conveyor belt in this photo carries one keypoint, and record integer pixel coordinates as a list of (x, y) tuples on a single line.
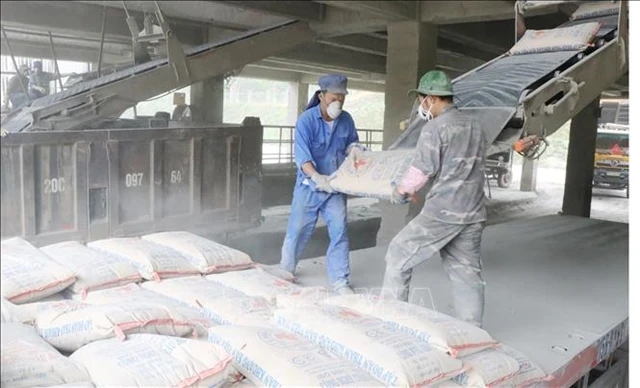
[(504, 85), (501, 83), (556, 286), (142, 68)]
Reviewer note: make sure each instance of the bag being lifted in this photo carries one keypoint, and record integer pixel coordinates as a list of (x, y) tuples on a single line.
[(153, 261), (392, 356), (94, 270), (273, 357), (27, 274), (255, 282), (217, 302), (373, 174), (29, 361), (446, 333), (155, 361), (205, 255), (133, 293), (70, 330), (574, 38)]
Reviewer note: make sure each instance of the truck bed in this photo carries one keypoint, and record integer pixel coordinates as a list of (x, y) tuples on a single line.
[(557, 289)]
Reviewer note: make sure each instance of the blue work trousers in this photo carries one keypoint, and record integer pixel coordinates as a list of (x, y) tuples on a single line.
[(306, 206)]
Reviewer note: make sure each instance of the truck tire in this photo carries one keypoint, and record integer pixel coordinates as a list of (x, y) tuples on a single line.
[(504, 180)]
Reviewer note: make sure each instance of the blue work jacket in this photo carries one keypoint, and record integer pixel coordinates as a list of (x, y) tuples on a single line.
[(315, 143)]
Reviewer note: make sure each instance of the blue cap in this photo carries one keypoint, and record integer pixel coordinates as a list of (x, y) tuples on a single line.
[(333, 83)]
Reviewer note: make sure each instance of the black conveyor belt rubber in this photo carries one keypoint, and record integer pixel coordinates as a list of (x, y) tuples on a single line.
[(501, 83), (117, 76)]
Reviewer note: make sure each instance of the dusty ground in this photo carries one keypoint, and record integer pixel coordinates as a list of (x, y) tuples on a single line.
[(264, 243), (610, 205)]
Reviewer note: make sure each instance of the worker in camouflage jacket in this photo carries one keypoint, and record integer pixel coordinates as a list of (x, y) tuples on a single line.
[(449, 161)]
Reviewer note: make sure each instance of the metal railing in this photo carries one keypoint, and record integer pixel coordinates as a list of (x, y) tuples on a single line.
[(277, 144)]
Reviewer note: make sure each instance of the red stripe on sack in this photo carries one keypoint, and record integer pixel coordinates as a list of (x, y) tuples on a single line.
[(45, 287)]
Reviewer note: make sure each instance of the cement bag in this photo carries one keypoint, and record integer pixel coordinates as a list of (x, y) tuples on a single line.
[(205, 255), (70, 330), (304, 296), (529, 372), (94, 270), (132, 293), (28, 312), (373, 175), (217, 302), (574, 38), (392, 356), (27, 274), (155, 361), (448, 334), (255, 282), (28, 361), (153, 261), (487, 368), (596, 9), (269, 356), (12, 313)]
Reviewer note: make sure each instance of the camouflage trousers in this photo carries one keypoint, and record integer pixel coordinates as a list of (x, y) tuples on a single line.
[(459, 247)]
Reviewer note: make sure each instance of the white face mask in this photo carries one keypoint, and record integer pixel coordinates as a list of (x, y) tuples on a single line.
[(425, 114), (334, 110)]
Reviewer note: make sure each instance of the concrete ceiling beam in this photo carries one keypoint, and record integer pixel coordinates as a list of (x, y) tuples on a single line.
[(299, 10), (392, 10), (210, 12), (338, 22), (452, 12)]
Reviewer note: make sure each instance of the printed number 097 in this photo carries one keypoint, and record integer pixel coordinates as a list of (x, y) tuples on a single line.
[(133, 180)]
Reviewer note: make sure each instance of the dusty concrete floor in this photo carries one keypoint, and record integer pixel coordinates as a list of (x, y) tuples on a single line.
[(264, 243)]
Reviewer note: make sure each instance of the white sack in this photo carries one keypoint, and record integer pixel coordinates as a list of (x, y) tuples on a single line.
[(153, 261), (28, 361), (28, 312), (273, 357), (155, 361), (574, 38), (70, 330), (392, 356), (374, 175), (219, 303), (27, 274), (133, 293), (596, 9), (94, 270), (442, 331), (304, 296), (488, 368), (205, 255), (255, 282), (529, 372)]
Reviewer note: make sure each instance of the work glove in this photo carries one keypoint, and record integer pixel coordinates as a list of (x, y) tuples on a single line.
[(322, 183), (356, 146), (397, 198)]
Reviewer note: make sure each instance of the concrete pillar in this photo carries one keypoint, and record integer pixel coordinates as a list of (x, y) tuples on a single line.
[(303, 96), (411, 52), (528, 182), (297, 101), (582, 145), (207, 98)]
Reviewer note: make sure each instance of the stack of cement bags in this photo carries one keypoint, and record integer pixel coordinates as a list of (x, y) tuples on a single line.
[(175, 309)]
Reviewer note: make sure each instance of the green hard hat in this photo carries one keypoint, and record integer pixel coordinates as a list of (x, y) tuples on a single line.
[(434, 83)]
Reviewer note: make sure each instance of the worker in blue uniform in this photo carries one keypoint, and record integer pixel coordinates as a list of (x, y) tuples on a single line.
[(324, 136)]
